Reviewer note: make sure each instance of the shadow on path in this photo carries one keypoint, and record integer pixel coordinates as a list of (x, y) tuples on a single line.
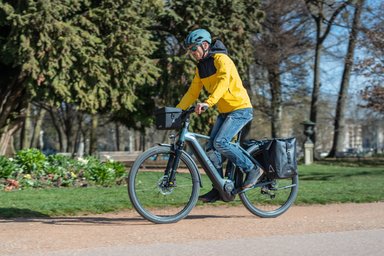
[(28, 216)]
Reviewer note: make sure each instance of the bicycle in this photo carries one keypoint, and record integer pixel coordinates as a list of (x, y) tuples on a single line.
[(164, 181)]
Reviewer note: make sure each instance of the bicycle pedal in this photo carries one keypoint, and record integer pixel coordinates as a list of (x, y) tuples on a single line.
[(264, 190)]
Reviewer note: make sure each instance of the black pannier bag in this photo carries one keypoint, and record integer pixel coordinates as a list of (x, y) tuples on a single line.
[(278, 156), (168, 118)]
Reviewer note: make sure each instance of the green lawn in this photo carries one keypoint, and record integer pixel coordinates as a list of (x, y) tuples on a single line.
[(337, 184), (318, 184)]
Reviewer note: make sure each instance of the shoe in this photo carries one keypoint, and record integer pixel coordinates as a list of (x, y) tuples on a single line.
[(251, 177), (210, 197)]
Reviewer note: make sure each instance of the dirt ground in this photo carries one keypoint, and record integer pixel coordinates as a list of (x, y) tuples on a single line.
[(210, 222)]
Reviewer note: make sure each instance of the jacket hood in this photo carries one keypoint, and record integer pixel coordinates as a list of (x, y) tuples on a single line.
[(217, 47)]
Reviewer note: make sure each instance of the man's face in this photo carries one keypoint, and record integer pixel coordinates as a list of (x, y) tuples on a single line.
[(197, 51)]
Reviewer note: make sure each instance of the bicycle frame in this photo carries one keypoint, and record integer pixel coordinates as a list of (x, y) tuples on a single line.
[(223, 185)]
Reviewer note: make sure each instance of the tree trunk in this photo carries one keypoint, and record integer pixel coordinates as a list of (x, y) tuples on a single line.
[(117, 132), (93, 135), (69, 137), (58, 129), (339, 129), (6, 142), (316, 71), (69, 115), (276, 102), (316, 83), (142, 139), (12, 106), (36, 131), (131, 140), (26, 130), (78, 137)]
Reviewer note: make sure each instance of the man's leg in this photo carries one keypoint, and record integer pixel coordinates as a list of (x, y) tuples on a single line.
[(233, 123)]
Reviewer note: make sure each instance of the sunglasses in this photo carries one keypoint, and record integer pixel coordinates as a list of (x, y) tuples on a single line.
[(193, 48)]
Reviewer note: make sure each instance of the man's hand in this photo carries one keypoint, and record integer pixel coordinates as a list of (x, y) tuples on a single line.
[(201, 107)]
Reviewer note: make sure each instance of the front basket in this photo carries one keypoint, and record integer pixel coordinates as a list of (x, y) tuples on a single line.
[(168, 118)]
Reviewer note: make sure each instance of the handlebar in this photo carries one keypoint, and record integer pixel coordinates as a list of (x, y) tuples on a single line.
[(192, 109), (186, 113)]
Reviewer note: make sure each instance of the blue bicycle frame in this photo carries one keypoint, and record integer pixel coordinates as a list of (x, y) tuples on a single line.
[(225, 185)]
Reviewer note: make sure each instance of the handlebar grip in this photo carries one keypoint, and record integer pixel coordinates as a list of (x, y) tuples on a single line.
[(192, 109)]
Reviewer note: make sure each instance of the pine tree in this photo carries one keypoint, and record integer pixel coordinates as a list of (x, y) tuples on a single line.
[(93, 54)]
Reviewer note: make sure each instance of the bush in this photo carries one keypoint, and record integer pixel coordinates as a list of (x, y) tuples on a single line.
[(31, 161), (61, 170), (119, 171), (7, 167), (31, 168), (104, 174)]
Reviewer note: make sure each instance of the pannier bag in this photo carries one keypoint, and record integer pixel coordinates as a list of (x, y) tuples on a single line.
[(278, 156), (168, 118)]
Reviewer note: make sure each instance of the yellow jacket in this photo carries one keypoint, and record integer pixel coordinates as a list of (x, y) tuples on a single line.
[(219, 76)]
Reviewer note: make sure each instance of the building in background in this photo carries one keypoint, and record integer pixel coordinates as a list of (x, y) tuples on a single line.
[(364, 138)]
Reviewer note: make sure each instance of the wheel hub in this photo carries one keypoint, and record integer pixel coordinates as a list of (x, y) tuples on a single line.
[(165, 187)]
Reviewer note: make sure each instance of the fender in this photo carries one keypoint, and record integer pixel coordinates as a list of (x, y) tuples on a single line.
[(190, 158)]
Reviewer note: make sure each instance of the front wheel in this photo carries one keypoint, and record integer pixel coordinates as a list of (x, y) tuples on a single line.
[(273, 199), (154, 199)]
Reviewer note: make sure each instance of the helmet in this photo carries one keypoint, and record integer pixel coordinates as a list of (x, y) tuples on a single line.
[(197, 36)]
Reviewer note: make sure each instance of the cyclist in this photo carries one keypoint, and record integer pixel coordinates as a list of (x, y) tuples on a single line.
[(218, 74)]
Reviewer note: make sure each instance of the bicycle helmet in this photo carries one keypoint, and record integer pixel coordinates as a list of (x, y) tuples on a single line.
[(197, 37)]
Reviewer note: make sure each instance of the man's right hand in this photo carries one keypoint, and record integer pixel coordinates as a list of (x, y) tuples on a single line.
[(201, 107)]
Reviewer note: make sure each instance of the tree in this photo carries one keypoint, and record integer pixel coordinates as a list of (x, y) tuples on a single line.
[(279, 52), (371, 67), (374, 98), (93, 54), (324, 14), (338, 138)]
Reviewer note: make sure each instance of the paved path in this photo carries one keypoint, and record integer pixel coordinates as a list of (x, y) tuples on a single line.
[(351, 243), (337, 229)]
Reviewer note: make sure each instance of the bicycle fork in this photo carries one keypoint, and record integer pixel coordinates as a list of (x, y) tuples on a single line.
[(172, 165)]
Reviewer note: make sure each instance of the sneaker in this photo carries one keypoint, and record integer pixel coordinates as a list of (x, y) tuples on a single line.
[(210, 197), (251, 177)]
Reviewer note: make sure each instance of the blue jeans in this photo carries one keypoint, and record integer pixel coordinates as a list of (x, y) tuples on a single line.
[(226, 127)]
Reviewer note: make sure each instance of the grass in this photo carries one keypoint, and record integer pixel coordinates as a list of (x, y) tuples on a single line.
[(62, 201), (319, 184)]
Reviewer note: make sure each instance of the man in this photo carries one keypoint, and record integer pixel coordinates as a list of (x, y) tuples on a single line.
[(218, 74)]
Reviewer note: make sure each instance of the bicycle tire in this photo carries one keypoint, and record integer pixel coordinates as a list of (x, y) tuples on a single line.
[(155, 202), (271, 201)]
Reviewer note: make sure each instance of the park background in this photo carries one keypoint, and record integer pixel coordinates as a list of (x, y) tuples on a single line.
[(86, 76), (83, 77)]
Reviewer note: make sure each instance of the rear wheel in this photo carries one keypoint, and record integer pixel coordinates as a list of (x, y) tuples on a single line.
[(273, 199), (156, 199)]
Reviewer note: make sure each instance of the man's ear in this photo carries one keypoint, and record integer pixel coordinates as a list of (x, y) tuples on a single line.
[(206, 45)]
